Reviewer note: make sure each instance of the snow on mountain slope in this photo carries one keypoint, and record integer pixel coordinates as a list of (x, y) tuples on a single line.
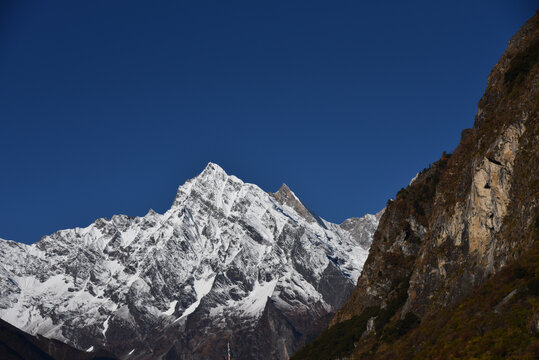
[(224, 258)]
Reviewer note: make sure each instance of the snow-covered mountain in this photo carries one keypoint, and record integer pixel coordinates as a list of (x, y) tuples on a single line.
[(227, 263)]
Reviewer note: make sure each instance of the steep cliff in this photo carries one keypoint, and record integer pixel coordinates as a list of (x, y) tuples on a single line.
[(456, 225)]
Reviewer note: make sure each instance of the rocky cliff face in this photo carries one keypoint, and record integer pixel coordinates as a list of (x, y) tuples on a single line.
[(460, 221), (227, 263)]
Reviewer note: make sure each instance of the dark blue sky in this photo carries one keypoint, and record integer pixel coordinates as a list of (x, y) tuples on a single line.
[(107, 106)]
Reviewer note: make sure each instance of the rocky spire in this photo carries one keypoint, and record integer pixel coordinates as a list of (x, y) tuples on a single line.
[(285, 196)]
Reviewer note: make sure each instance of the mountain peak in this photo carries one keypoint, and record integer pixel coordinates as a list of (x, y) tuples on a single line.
[(213, 168), (285, 196), (285, 192), (211, 179)]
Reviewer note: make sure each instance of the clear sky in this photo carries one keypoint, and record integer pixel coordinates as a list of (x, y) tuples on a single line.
[(107, 107)]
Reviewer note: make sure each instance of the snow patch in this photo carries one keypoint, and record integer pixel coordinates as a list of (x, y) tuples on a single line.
[(105, 327), (202, 288), (171, 308), (256, 301)]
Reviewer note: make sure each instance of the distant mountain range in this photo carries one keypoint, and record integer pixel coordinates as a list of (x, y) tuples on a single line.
[(228, 263)]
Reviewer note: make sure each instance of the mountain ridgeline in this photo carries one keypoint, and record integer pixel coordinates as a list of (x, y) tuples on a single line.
[(227, 263), (453, 271)]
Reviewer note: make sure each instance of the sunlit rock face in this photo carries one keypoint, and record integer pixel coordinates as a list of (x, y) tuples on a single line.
[(460, 221), (228, 262)]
